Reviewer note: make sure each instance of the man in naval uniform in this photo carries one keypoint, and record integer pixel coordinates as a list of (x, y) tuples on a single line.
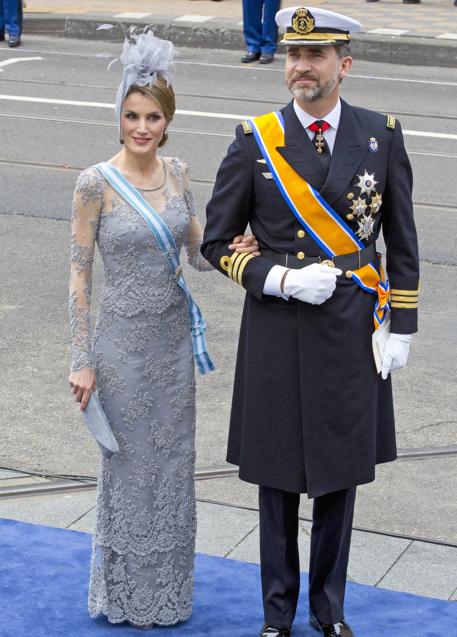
[(310, 412)]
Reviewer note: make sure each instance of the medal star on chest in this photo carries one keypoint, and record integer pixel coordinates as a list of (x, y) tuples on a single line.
[(358, 207), (376, 202), (365, 227), (366, 183)]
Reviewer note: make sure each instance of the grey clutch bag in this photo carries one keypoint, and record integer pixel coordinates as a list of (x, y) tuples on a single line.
[(98, 425)]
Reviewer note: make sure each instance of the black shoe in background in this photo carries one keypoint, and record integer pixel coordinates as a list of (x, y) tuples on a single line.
[(250, 56), (14, 40), (266, 58)]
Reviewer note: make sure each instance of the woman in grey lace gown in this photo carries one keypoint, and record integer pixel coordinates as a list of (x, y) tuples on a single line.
[(142, 365)]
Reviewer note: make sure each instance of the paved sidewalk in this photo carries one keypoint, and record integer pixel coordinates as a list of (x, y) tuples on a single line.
[(424, 33), (431, 18), (396, 563)]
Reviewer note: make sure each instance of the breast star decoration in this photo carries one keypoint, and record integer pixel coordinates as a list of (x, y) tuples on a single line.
[(358, 207), (366, 206), (366, 183), (366, 227)]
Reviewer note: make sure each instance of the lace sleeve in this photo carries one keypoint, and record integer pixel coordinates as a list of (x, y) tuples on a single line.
[(195, 232), (87, 204)]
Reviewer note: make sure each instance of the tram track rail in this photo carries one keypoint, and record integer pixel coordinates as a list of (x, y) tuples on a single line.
[(110, 56), (67, 484), (59, 483), (203, 182), (219, 97), (86, 122)]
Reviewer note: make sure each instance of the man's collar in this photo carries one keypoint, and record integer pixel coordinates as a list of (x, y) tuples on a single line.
[(333, 118)]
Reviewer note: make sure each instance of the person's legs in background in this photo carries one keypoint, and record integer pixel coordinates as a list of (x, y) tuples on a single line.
[(252, 29), (269, 31), (11, 21)]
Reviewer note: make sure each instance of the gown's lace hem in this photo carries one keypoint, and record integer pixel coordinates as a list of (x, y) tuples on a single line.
[(98, 609), (138, 604)]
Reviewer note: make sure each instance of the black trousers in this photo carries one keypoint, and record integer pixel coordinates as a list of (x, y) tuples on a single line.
[(280, 569)]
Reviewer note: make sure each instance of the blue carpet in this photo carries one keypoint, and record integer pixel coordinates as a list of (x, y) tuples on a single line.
[(43, 592)]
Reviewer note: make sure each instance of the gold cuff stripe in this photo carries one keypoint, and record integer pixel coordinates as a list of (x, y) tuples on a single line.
[(407, 299), (408, 306), (235, 265), (405, 292), (237, 261), (241, 268), (291, 37)]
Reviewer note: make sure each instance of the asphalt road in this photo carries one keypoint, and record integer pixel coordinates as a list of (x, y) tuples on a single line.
[(56, 117)]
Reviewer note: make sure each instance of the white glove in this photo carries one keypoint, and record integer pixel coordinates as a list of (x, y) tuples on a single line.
[(312, 284), (396, 353)]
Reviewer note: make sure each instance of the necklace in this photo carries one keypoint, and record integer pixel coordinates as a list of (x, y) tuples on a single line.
[(156, 187)]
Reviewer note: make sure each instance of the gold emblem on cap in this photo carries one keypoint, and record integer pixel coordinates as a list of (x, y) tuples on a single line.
[(302, 21)]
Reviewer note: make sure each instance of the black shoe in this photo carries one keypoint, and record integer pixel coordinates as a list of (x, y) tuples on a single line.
[(271, 631), (411, 1), (14, 40), (250, 56), (340, 629), (266, 58)]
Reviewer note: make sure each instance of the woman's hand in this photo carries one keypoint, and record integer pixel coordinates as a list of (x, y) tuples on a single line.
[(82, 384), (245, 243)]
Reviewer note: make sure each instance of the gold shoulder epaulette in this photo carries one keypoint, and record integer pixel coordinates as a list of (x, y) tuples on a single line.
[(390, 122), (246, 127)]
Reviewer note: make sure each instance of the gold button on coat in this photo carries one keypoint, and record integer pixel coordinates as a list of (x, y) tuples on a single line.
[(348, 274), (300, 255), (350, 195), (300, 234)]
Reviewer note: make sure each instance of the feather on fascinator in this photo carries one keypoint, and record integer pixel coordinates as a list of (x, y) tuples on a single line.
[(144, 58)]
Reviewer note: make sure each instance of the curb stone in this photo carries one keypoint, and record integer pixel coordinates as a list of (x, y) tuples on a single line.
[(410, 50)]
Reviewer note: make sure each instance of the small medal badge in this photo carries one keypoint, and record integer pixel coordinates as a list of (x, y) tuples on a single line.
[(373, 145), (376, 202)]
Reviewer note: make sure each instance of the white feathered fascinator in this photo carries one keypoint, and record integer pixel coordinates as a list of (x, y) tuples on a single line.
[(144, 57)]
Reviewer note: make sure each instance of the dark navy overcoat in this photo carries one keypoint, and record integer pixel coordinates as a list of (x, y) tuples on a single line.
[(309, 412)]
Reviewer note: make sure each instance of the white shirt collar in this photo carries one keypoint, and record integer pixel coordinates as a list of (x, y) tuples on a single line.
[(333, 118)]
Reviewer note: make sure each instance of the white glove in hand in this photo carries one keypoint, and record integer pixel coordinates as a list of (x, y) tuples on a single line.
[(396, 353), (312, 284)]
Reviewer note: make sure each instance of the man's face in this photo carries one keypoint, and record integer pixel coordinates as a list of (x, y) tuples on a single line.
[(313, 72)]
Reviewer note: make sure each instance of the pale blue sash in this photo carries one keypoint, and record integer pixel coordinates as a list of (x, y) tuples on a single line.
[(167, 244)]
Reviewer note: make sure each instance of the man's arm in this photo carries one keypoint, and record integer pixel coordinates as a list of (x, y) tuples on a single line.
[(228, 213), (400, 236)]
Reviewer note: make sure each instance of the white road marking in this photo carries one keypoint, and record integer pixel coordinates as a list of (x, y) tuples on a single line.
[(420, 133), (132, 16), (245, 67), (15, 60), (447, 36), (388, 31), (207, 114), (193, 18)]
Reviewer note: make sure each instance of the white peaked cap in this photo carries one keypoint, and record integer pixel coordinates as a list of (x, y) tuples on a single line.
[(312, 25)]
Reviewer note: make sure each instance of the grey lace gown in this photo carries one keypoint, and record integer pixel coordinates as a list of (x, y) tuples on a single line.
[(143, 543)]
